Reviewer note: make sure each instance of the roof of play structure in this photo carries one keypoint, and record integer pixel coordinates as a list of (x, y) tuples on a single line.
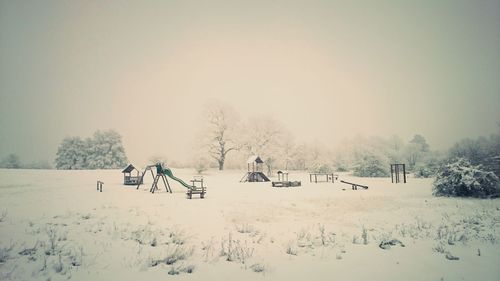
[(129, 169), (255, 159)]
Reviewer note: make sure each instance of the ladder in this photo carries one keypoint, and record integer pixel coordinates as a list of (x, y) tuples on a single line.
[(154, 186)]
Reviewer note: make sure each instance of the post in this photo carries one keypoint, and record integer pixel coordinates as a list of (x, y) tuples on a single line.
[(399, 171), (167, 185), (392, 175), (404, 173), (396, 173), (99, 185)]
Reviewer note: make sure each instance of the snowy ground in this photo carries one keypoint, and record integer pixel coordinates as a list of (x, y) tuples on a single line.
[(54, 225)]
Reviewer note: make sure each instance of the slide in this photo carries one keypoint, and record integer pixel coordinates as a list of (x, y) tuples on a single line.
[(168, 172)]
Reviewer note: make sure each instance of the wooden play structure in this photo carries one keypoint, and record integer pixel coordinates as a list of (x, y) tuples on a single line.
[(128, 179), (157, 171), (156, 178), (354, 185), (254, 173), (197, 187), (396, 170), (323, 177), (283, 181)]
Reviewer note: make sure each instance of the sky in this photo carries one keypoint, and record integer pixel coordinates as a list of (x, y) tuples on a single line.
[(326, 70)]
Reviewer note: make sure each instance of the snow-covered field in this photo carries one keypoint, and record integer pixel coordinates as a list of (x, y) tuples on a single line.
[(54, 225)]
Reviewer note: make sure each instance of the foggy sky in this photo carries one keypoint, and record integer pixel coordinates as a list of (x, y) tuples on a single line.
[(326, 70)]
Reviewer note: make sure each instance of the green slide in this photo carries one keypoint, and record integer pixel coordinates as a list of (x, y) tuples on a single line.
[(168, 172)]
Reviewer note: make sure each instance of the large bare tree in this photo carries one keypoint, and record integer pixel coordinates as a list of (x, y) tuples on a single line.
[(222, 121), (264, 137)]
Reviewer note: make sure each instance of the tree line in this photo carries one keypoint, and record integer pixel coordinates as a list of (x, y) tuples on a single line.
[(225, 135), (12, 161), (226, 139)]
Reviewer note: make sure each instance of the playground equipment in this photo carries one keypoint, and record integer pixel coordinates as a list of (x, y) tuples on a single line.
[(156, 178), (128, 179), (164, 172), (196, 189), (329, 177), (354, 185), (396, 170), (283, 181), (254, 173)]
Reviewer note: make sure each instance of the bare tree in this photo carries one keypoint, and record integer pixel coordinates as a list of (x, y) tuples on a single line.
[(222, 121), (262, 134), (416, 149), (264, 137), (287, 149)]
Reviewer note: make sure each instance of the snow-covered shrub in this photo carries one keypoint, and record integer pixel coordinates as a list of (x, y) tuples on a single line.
[(483, 151), (201, 165), (429, 166), (291, 248), (5, 252), (321, 168), (371, 164), (258, 267), (235, 250), (245, 228), (172, 255), (3, 215), (461, 178), (423, 171), (341, 167)]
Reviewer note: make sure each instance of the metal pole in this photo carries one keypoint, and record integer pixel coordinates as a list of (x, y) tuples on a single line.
[(392, 175), (404, 173)]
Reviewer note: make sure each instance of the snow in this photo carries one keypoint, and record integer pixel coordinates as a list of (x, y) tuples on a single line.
[(313, 232)]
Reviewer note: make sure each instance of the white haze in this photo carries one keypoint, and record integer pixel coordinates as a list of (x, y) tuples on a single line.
[(325, 70)]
